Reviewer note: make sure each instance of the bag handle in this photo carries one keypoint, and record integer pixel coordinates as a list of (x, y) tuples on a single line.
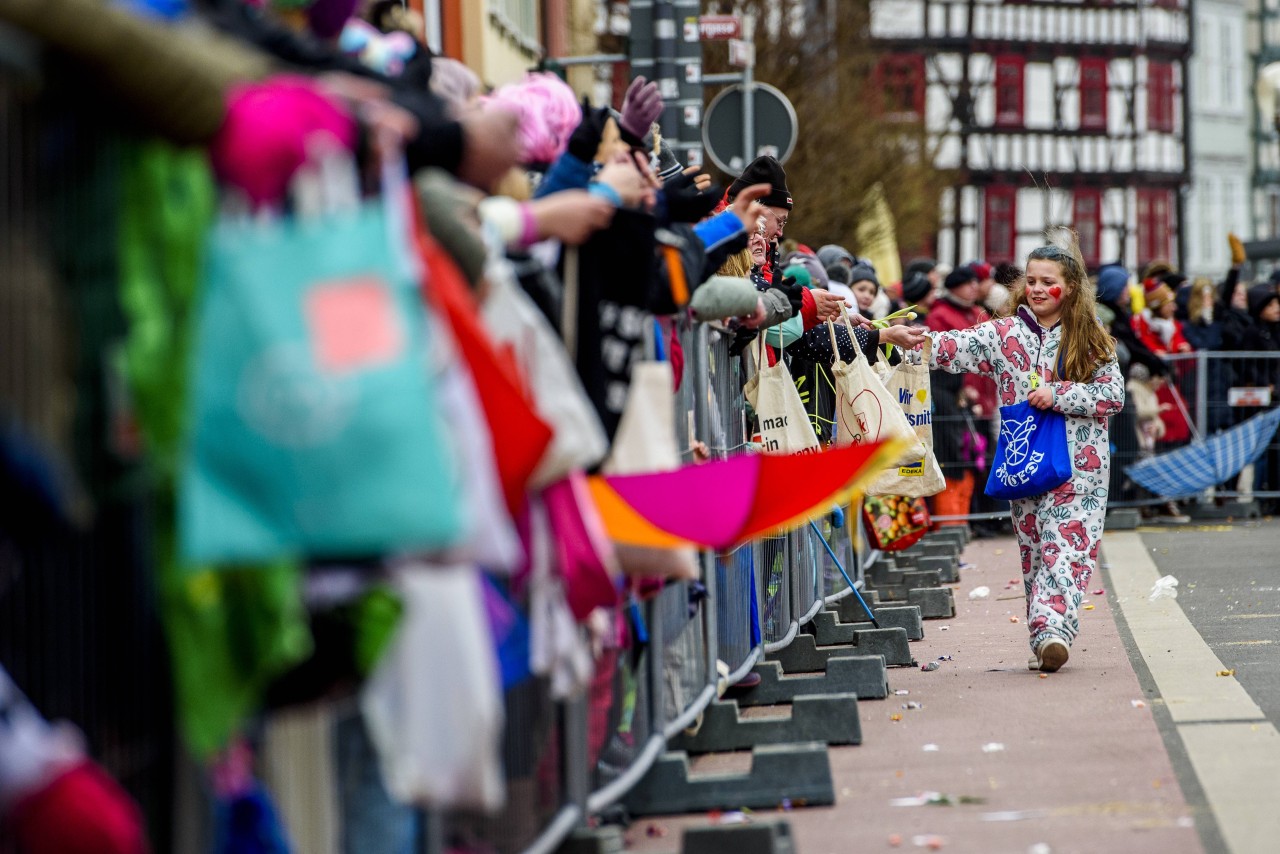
[(569, 303), (853, 339)]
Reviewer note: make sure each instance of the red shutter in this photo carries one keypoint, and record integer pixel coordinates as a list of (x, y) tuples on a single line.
[(1160, 96), (1093, 94), (900, 83), (1000, 209), (1009, 90), (1087, 219), (1155, 224)]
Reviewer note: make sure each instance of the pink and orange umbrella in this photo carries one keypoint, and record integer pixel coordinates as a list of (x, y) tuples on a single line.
[(721, 504)]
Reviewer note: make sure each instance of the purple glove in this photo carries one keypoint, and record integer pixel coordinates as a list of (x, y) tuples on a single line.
[(640, 108)]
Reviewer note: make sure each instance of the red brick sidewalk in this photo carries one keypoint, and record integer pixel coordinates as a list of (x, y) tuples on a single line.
[(1081, 770)]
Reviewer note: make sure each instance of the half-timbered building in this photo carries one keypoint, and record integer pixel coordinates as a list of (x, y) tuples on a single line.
[(1047, 112)]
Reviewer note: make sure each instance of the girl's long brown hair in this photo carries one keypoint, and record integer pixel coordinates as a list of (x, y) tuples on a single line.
[(1086, 344)]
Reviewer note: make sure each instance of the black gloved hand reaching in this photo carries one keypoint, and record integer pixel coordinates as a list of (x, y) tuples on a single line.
[(584, 142), (685, 202), (741, 340)]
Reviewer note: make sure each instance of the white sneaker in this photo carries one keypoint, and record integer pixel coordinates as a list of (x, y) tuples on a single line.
[(1033, 663), (1053, 654)]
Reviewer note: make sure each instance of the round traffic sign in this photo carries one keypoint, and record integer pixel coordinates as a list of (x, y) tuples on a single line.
[(775, 127)]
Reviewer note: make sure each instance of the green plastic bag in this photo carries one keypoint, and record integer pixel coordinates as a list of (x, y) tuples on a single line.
[(313, 424)]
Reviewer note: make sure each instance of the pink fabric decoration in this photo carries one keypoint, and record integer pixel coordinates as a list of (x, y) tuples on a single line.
[(267, 133), (548, 112)]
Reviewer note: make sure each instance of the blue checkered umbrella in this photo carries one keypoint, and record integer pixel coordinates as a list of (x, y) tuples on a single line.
[(1206, 462)]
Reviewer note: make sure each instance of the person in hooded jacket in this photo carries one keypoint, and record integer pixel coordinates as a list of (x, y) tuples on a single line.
[(1263, 335)]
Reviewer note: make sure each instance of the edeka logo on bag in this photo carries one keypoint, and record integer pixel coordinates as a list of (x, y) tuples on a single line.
[(913, 470), (1019, 463)]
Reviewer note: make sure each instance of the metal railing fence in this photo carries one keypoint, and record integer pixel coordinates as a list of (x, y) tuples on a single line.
[(78, 624)]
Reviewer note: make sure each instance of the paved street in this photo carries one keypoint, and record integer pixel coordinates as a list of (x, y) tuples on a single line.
[(1139, 745), (1229, 587)]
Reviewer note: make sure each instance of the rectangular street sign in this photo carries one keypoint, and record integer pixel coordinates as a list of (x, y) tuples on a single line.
[(719, 27), (742, 54)]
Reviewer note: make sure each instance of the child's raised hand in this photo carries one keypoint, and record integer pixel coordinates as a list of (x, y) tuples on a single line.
[(1041, 398)]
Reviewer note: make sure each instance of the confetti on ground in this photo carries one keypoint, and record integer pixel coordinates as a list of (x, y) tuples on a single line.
[(912, 705), (1138, 704), (1014, 620), (929, 667), (992, 747), (931, 748), (1088, 607), (895, 717), (1230, 672), (901, 692), (1044, 675), (1100, 591)]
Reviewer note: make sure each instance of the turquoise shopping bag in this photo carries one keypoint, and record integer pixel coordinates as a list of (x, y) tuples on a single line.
[(312, 425)]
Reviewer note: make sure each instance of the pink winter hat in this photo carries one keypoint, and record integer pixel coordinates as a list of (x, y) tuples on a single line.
[(267, 131)]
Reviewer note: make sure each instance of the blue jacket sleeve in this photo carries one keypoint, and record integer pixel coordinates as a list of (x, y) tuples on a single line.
[(567, 173), (718, 230)]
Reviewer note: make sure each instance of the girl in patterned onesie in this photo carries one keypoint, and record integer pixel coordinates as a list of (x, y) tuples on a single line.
[(1054, 353)]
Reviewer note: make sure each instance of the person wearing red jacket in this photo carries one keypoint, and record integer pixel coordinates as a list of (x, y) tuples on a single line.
[(1155, 325), (956, 309)]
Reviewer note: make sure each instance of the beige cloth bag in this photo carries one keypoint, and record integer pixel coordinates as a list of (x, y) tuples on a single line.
[(784, 423), (865, 410), (909, 383)]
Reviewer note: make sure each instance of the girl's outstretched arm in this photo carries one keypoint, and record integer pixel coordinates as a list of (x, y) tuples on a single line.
[(1102, 395), (966, 351)]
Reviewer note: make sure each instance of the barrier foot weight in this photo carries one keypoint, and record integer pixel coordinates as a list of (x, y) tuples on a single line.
[(767, 838), (837, 625), (798, 773), (831, 719), (803, 655), (961, 534), (864, 676), (935, 603), (606, 839), (1123, 519)]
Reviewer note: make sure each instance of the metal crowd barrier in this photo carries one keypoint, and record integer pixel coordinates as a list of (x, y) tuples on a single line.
[(565, 761)]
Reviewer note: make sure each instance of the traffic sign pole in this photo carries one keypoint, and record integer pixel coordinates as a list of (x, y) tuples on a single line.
[(749, 94)]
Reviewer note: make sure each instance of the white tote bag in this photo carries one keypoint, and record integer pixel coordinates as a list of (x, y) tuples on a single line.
[(909, 383), (434, 706), (784, 423), (865, 411), (511, 317)]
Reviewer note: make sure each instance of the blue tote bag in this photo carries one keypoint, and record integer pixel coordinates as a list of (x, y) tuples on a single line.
[(312, 428), (1032, 455)]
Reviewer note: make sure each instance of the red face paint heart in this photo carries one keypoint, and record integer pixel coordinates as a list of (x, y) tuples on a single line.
[(1055, 292)]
